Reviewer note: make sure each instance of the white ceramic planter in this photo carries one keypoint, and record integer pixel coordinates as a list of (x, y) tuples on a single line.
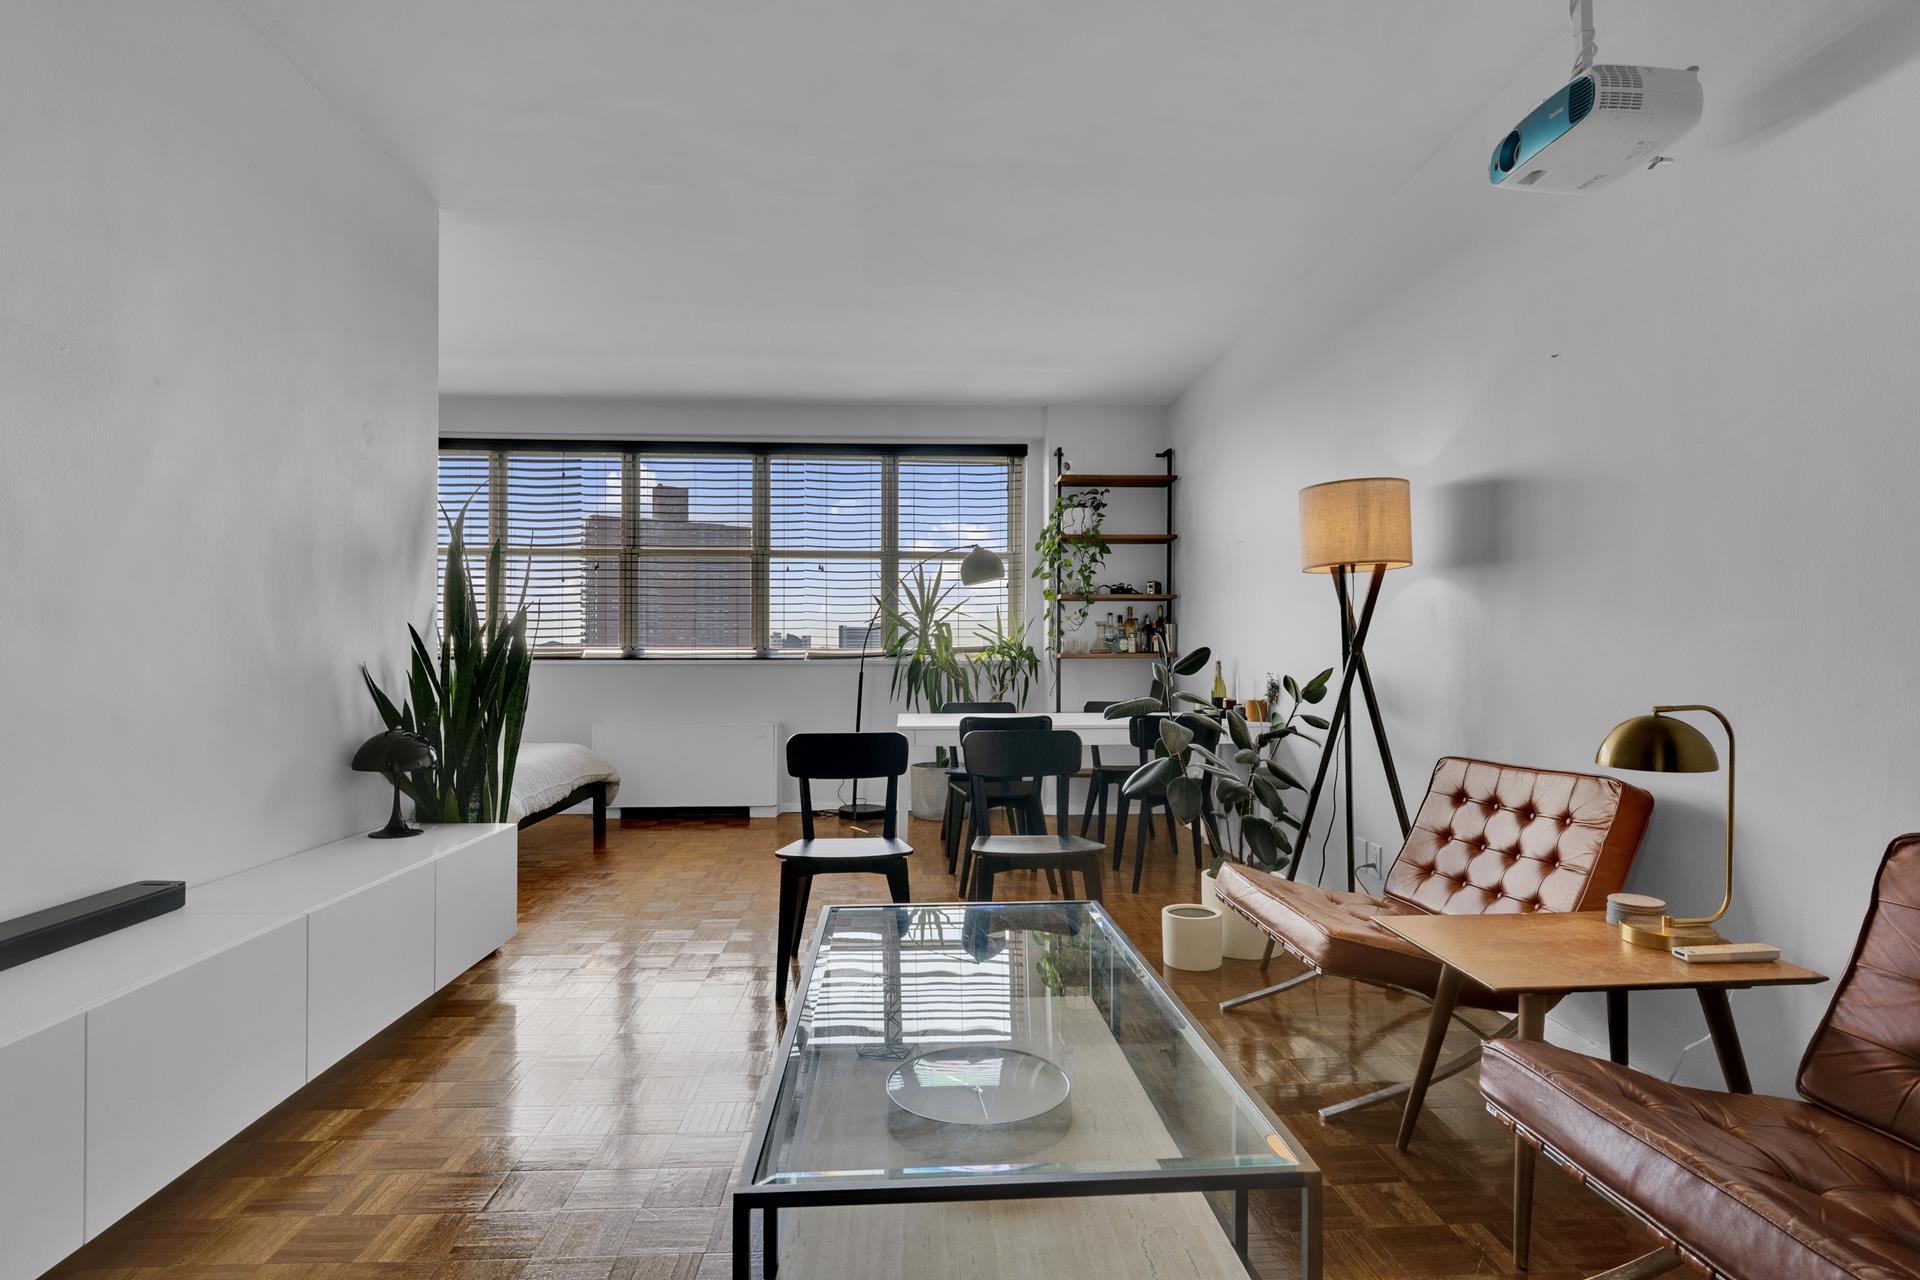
[(928, 799), (1239, 940), (1190, 936)]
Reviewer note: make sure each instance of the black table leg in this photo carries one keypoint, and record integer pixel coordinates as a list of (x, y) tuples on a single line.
[(742, 1240), (1726, 1038), (1240, 1223), (769, 1242), (1617, 1026)]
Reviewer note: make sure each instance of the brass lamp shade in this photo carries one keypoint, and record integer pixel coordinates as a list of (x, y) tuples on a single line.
[(1661, 744), (1657, 744), (1356, 523)]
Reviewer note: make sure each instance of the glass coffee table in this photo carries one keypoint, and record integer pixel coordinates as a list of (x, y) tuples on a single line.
[(952, 1070)]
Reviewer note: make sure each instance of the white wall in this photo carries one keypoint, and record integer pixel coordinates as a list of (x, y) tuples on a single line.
[(569, 697), (1663, 445), (217, 340)]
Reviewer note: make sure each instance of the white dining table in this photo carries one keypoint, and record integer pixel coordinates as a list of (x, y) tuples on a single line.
[(927, 730)]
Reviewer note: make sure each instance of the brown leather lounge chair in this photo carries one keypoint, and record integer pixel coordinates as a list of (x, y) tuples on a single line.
[(1744, 1186), (1489, 838)]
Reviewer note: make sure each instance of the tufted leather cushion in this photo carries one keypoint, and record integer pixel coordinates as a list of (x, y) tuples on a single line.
[(1493, 838), (1755, 1186)]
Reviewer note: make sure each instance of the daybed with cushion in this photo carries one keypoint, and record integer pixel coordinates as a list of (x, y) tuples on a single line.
[(1749, 1187), (552, 777), (1489, 838)]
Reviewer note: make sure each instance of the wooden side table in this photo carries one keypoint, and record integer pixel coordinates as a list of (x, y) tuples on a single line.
[(1539, 957)]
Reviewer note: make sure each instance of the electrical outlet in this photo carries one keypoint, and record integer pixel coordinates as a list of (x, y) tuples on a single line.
[(1370, 865)]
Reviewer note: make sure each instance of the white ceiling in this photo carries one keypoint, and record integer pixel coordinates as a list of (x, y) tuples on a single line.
[(984, 201)]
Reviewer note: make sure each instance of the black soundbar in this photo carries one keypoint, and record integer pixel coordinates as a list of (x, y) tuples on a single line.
[(41, 933)]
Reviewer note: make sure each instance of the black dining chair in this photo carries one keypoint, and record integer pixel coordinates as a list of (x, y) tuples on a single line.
[(953, 814), (1019, 798), (837, 757), (1102, 777), (1145, 732), (997, 755)]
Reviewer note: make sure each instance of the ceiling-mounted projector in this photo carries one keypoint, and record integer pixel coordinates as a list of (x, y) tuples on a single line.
[(1610, 119)]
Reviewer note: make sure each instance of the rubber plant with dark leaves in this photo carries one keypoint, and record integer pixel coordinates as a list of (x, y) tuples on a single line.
[(470, 700), (1262, 831)]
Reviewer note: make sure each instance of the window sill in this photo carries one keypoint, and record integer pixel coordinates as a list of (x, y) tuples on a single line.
[(557, 660)]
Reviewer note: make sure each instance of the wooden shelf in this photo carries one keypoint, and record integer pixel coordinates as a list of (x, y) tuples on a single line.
[(1135, 481), (1108, 595), (1105, 657), (1122, 539)]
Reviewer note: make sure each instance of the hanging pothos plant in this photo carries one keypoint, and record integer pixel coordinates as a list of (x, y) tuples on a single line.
[(1068, 555)]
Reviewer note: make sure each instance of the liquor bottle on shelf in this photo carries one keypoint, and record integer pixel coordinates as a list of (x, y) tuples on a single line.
[(1133, 633), (1108, 630), (1219, 686)]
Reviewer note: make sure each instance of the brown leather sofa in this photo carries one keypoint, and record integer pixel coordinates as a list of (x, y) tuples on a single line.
[(1756, 1187), (1488, 839)]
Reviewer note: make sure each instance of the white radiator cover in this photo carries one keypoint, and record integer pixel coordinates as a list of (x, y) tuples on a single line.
[(689, 764)]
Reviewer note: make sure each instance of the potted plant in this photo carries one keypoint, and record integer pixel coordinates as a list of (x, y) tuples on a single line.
[(1069, 554), (470, 702), (927, 670), (1256, 803), (1007, 665)]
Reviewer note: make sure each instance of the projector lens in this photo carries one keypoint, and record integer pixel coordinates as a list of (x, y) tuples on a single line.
[(1509, 154)]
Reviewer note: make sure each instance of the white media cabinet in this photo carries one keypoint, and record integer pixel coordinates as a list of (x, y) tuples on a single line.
[(129, 1058)]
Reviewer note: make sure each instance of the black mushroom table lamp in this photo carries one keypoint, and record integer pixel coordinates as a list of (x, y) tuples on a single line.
[(391, 754)]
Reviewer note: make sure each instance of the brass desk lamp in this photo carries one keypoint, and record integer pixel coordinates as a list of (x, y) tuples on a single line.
[(1661, 744)]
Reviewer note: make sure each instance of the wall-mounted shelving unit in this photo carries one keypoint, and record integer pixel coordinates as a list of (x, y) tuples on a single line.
[(1064, 477)]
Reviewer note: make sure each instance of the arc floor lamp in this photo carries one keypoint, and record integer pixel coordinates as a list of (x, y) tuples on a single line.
[(1347, 526), (979, 567)]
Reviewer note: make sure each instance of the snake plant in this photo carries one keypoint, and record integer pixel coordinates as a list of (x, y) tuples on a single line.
[(470, 701)]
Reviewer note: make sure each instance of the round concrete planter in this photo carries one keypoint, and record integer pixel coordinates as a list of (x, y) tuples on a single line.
[(1190, 936), (929, 790)]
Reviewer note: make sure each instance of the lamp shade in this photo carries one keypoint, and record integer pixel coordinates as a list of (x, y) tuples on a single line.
[(980, 566), (394, 751), (1361, 522), (1657, 744)]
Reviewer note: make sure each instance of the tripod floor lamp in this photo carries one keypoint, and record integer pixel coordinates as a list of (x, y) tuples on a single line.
[(979, 567), (1347, 526)]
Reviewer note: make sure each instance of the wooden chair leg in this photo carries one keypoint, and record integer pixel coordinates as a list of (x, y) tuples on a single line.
[(1139, 844), (966, 850), (1053, 882), (803, 892), (783, 932), (1090, 877), (1120, 831), (896, 873), (1523, 1162), (950, 830), (1100, 823), (1086, 816), (982, 881), (1198, 865)]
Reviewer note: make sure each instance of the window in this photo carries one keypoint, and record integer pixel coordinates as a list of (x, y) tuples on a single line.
[(629, 550)]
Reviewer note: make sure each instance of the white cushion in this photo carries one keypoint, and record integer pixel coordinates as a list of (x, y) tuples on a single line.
[(548, 772)]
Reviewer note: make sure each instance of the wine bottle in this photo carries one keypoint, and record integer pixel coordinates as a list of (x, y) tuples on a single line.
[(1219, 685)]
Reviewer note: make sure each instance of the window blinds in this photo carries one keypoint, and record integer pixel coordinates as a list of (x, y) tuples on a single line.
[(638, 551)]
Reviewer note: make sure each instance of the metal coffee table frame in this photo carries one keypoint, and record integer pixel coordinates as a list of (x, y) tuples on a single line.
[(748, 1196)]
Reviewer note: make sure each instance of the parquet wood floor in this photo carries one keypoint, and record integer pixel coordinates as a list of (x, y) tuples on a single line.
[(573, 1107)]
